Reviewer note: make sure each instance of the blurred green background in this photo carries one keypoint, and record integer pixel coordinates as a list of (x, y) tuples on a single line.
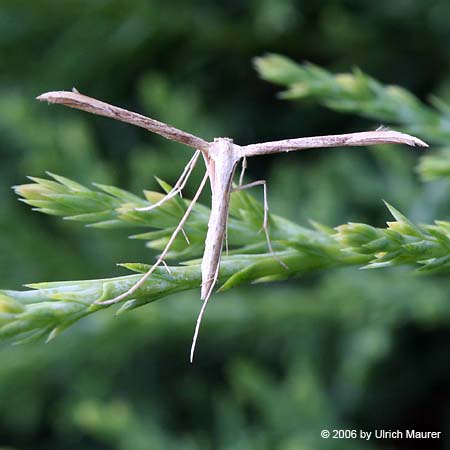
[(276, 364)]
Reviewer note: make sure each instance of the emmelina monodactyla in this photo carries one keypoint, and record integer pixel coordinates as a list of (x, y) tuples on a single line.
[(221, 158)]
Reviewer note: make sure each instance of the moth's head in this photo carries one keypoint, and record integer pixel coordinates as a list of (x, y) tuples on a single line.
[(223, 139)]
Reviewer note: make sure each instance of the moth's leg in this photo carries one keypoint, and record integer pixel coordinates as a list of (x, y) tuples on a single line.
[(226, 241), (144, 278), (185, 237), (166, 267), (243, 168), (266, 215), (241, 178), (179, 185)]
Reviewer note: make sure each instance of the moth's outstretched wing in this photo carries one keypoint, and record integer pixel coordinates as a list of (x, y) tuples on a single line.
[(337, 140), (76, 100)]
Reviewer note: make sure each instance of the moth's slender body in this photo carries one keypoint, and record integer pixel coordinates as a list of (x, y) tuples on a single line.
[(221, 158)]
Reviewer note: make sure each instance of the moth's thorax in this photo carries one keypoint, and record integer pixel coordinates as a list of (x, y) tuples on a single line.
[(224, 148)]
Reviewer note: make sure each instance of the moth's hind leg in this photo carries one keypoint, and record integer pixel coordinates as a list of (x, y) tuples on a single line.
[(160, 260), (265, 226)]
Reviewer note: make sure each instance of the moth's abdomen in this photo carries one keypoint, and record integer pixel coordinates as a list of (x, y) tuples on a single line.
[(214, 242)]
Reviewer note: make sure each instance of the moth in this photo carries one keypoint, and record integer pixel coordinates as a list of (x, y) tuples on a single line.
[(221, 157)]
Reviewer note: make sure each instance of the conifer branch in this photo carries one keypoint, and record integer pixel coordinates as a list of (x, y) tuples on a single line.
[(435, 165), (48, 308), (359, 93)]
